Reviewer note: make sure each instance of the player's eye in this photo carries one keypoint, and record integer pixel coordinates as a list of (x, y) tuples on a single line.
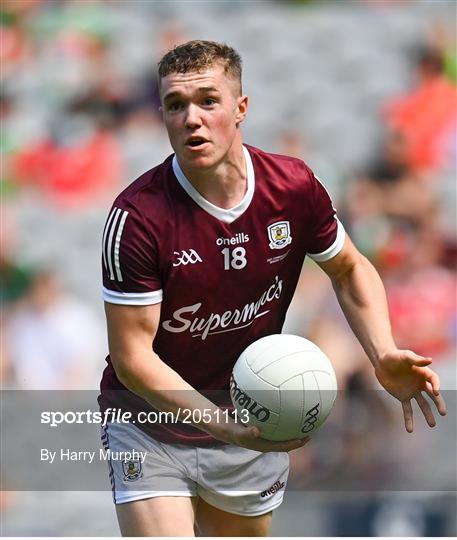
[(208, 102), (174, 106)]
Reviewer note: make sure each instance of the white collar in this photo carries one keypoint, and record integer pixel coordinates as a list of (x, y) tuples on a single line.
[(227, 215)]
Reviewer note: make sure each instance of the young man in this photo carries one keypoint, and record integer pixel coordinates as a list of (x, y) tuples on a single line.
[(188, 250)]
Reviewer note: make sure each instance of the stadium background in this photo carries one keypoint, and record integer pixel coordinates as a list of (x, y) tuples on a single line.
[(363, 91)]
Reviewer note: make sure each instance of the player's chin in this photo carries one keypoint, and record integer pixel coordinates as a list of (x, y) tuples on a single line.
[(200, 159)]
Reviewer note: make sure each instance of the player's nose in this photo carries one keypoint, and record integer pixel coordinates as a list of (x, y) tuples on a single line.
[(193, 118)]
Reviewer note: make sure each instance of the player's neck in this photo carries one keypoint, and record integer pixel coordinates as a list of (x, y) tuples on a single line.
[(225, 184)]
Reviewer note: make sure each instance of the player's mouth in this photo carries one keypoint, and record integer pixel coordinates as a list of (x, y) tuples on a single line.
[(196, 143)]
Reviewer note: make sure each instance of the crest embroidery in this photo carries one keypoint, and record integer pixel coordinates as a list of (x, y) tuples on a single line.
[(279, 234), (132, 470)]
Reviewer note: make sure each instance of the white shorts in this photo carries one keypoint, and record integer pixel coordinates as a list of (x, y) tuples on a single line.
[(233, 479)]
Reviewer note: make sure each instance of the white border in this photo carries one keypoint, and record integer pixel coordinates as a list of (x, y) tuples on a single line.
[(259, 509), (227, 215), (140, 495), (334, 249), (132, 299)]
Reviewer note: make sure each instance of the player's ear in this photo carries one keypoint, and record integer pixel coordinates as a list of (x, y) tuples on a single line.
[(242, 109)]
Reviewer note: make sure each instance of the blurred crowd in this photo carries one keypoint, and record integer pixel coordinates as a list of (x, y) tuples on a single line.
[(80, 120)]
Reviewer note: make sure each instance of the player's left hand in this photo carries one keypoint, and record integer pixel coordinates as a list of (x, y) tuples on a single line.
[(405, 375)]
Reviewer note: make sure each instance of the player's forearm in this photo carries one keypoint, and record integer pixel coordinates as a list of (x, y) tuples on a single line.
[(362, 298), (166, 390)]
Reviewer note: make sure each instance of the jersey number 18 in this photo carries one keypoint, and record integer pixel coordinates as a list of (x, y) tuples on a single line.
[(235, 259)]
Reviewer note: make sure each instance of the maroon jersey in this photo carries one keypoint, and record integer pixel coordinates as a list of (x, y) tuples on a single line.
[(224, 277)]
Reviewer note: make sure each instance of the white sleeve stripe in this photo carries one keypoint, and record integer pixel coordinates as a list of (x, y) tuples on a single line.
[(132, 299), (105, 232), (110, 243), (117, 244), (334, 249)]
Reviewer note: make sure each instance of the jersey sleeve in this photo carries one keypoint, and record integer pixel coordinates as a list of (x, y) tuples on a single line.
[(327, 236), (130, 259)]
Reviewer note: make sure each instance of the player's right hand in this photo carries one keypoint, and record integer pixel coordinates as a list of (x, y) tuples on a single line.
[(250, 437)]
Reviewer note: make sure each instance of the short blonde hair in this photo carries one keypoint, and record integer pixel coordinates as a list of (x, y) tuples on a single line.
[(198, 55)]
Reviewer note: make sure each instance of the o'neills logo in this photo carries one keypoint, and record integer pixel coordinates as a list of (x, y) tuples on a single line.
[(239, 238), (217, 323), (274, 488), (244, 400)]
